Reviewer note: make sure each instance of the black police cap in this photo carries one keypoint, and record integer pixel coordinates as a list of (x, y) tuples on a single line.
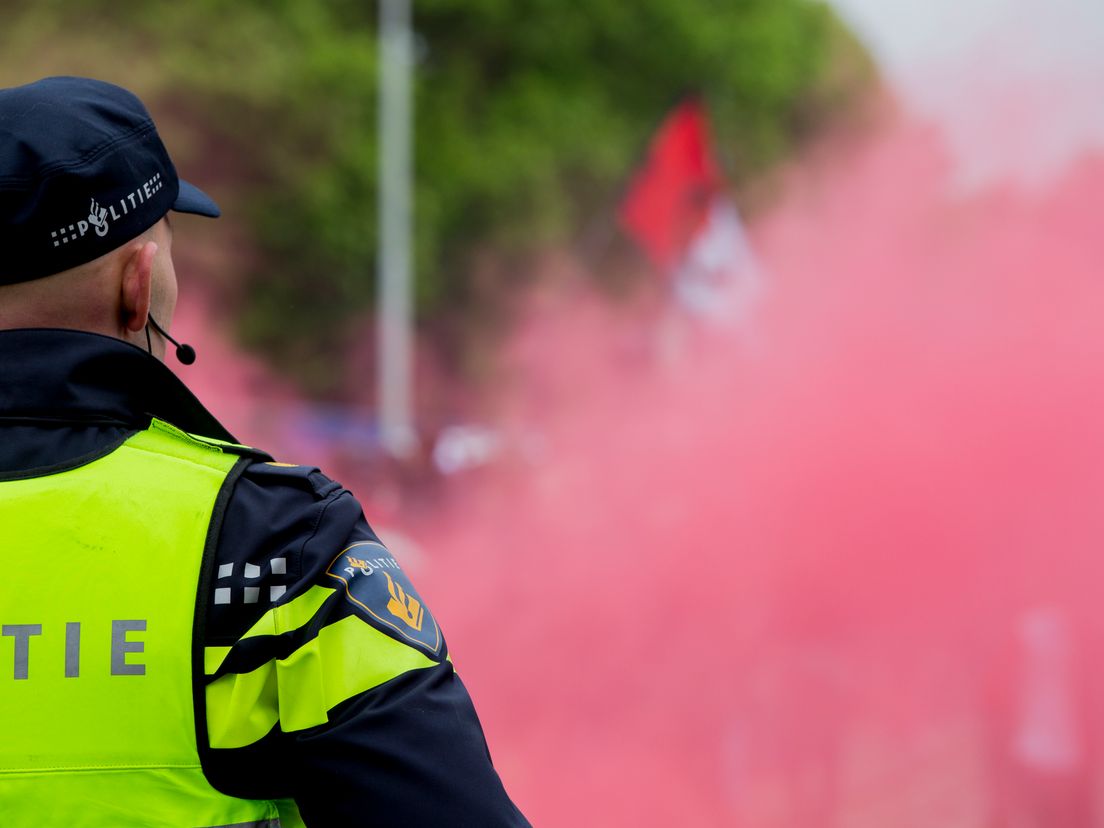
[(82, 171)]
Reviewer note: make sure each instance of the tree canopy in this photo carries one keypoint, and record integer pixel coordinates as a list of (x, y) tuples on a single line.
[(529, 117)]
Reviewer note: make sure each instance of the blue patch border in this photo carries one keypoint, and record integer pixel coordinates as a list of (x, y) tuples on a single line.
[(434, 650)]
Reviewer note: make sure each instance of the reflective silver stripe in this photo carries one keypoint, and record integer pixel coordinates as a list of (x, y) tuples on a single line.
[(267, 823)]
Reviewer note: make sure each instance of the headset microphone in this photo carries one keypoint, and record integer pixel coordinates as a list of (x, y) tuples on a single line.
[(185, 353)]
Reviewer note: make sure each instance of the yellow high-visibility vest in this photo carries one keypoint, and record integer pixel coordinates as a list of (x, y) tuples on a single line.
[(100, 566)]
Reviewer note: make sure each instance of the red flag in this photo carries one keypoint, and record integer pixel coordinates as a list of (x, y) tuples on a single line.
[(677, 209), (669, 198)]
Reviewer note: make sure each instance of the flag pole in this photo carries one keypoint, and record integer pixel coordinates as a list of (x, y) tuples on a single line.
[(395, 315)]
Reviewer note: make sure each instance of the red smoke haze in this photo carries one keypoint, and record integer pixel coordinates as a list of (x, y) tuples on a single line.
[(778, 579), (770, 580)]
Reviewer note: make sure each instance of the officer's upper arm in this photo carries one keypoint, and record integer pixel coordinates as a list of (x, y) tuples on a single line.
[(334, 686)]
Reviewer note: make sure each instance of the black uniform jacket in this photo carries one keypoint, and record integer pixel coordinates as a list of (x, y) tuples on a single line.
[(409, 752)]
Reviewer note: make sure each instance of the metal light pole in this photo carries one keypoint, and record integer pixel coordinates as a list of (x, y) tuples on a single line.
[(395, 314)]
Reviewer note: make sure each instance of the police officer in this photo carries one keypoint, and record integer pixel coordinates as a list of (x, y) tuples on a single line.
[(191, 633)]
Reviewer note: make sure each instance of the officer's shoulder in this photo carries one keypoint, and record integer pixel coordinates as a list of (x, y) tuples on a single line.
[(275, 517), (276, 476)]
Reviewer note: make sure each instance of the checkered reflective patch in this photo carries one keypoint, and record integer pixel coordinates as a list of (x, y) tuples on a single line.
[(254, 585)]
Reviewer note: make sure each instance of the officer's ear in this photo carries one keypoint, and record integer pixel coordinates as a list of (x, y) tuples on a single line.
[(137, 285)]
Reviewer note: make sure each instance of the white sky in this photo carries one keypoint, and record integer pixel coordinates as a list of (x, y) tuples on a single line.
[(1029, 71)]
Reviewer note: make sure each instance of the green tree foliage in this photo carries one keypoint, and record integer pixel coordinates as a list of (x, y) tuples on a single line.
[(529, 118)]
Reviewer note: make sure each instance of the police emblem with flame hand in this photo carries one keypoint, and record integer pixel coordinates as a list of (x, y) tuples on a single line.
[(375, 584)]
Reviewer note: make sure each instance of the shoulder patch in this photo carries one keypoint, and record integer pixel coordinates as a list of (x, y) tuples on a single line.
[(377, 586)]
